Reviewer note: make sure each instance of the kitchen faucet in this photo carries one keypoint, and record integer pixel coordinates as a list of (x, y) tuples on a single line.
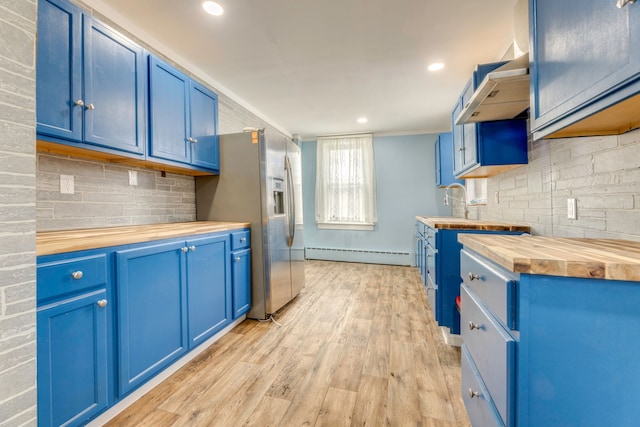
[(447, 197)]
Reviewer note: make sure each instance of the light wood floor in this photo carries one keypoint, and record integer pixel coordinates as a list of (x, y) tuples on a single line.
[(357, 347)]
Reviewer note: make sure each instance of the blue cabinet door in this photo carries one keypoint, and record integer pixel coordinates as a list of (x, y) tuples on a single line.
[(582, 50), (458, 140), (152, 321), (59, 70), (444, 160), (241, 261), (114, 90), (169, 112), (208, 287), (204, 127), (72, 360)]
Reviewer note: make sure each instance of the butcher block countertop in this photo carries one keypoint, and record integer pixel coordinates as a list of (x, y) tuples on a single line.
[(55, 242), (570, 257), (452, 223)]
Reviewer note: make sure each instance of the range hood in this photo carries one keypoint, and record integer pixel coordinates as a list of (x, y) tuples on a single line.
[(502, 95)]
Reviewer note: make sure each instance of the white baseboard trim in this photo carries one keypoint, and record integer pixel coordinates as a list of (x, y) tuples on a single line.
[(449, 338), (152, 383), (360, 255)]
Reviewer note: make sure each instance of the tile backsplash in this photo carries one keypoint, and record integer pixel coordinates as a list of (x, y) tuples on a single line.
[(104, 198)]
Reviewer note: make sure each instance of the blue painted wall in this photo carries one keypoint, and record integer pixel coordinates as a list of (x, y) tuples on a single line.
[(405, 171)]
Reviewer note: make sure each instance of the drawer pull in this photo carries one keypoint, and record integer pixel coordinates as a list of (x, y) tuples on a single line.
[(102, 303), (473, 394), (77, 275), (623, 3), (79, 102), (473, 277), (185, 249), (243, 239), (192, 248), (473, 326), (237, 259)]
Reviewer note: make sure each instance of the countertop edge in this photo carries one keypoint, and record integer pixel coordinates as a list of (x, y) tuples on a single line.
[(454, 223), (63, 241)]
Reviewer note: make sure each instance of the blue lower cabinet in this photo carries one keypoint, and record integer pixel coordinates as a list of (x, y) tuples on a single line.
[(241, 262), (72, 360), (208, 287), (152, 310)]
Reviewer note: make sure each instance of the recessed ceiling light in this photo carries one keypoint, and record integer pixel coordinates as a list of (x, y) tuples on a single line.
[(212, 8), (362, 120), (436, 66)]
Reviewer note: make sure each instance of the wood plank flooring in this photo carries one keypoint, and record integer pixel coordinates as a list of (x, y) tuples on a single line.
[(357, 347)]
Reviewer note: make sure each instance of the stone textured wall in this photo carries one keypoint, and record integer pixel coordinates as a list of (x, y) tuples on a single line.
[(602, 173), (17, 214)]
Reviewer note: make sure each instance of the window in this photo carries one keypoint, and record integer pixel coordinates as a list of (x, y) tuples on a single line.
[(346, 183)]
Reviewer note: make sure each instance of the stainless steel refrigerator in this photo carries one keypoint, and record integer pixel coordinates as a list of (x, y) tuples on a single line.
[(260, 182)]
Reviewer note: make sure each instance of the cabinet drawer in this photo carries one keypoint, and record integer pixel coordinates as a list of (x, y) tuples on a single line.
[(492, 284), (477, 400), (493, 351), (240, 240), (59, 278), (431, 235)]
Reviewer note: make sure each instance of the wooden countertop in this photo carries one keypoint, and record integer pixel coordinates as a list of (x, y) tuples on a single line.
[(570, 257), (54, 242), (448, 222)]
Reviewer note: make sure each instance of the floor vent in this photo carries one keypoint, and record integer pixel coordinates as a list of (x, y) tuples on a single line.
[(359, 255)]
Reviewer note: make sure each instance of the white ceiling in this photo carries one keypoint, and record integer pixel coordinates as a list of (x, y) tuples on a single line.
[(312, 67)]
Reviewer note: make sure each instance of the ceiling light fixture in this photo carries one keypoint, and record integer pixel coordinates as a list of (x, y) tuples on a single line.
[(436, 66), (212, 8), (362, 120)]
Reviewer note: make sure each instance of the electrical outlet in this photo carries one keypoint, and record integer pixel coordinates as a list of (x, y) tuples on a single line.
[(66, 184), (572, 208), (133, 177), (496, 197)]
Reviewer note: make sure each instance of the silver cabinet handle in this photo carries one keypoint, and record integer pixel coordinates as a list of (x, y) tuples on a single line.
[(243, 239), (237, 259), (473, 394), (194, 140), (461, 149), (185, 249), (192, 248), (77, 275), (473, 277), (102, 303), (91, 107), (623, 3), (473, 326), (79, 103)]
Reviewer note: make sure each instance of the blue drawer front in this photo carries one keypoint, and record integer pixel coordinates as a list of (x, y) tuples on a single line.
[(481, 410), (72, 276), (493, 351), (240, 240), (493, 285)]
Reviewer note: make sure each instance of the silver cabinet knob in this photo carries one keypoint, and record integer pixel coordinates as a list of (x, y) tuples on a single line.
[(192, 248), (102, 303), (79, 103), (243, 239), (473, 326), (77, 275), (473, 394), (623, 3), (461, 149), (91, 107), (473, 277), (237, 259), (194, 140), (185, 249)]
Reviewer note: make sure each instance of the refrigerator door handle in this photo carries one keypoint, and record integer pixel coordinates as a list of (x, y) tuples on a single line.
[(291, 207)]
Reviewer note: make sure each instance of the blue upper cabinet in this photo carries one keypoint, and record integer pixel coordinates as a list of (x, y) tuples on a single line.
[(485, 149), (444, 160), (183, 119), (585, 67), (90, 83)]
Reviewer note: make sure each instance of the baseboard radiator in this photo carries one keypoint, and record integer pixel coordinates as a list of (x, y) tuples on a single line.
[(360, 255)]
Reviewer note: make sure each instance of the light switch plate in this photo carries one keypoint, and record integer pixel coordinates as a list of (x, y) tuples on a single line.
[(133, 177), (66, 184), (572, 211)]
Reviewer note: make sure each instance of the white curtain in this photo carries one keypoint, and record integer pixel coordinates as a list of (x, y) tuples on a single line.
[(346, 181)]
